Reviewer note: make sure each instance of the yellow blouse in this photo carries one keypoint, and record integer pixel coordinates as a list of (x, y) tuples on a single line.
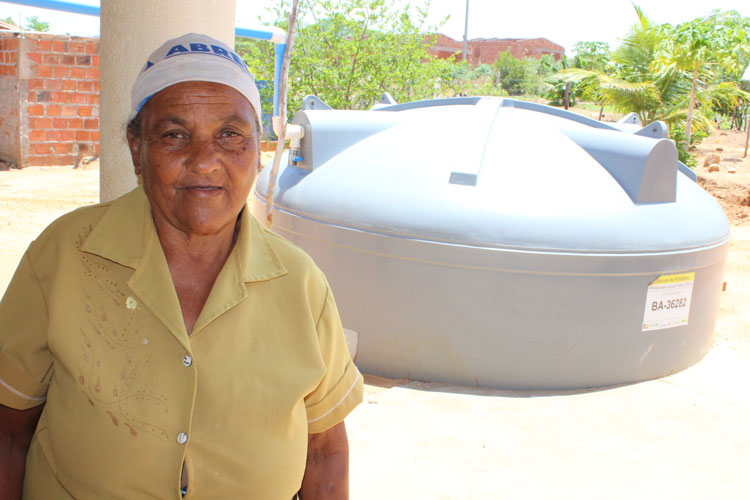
[(91, 324)]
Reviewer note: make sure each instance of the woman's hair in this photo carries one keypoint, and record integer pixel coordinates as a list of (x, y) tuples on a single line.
[(133, 128)]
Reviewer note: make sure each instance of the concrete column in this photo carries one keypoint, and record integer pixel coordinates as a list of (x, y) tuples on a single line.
[(130, 31)]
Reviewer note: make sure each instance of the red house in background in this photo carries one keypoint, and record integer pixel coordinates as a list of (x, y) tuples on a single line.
[(486, 50)]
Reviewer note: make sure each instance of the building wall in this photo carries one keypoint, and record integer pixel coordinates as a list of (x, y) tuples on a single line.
[(486, 50), (9, 104), (53, 85)]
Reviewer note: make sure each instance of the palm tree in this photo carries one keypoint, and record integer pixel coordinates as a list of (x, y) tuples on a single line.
[(669, 73)]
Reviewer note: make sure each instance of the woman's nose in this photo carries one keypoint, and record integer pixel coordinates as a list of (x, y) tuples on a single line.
[(204, 156)]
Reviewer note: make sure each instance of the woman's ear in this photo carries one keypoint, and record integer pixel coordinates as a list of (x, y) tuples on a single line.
[(134, 143)]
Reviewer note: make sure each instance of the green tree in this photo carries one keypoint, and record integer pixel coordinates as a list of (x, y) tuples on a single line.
[(672, 74), (512, 73), (593, 56), (349, 52), (9, 20), (33, 23), (699, 47)]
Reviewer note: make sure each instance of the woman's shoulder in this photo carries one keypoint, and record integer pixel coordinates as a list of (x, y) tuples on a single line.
[(74, 227)]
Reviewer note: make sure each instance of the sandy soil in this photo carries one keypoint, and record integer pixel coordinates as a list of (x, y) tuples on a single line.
[(731, 184)]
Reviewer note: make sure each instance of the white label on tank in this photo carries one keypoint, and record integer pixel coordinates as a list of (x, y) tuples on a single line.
[(668, 301)]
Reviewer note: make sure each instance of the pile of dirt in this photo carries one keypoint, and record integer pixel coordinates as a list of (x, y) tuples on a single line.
[(730, 184)]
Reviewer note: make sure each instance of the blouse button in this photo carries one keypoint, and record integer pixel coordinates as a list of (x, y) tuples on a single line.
[(182, 438), (187, 361)]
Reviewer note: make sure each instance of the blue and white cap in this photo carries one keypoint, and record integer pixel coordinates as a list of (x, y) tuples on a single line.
[(193, 57)]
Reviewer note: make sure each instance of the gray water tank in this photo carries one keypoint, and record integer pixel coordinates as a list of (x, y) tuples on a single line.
[(504, 244)]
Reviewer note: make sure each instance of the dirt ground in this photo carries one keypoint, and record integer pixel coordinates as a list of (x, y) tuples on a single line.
[(731, 184)]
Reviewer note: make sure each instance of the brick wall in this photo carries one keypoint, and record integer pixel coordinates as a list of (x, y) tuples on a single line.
[(486, 50), (57, 86)]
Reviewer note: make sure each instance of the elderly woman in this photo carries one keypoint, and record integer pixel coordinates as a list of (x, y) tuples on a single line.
[(165, 345)]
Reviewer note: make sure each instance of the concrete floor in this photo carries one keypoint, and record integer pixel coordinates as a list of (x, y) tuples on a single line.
[(683, 437), (686, 436)]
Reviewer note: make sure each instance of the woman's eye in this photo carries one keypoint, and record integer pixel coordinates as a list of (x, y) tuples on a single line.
[(230, 133)]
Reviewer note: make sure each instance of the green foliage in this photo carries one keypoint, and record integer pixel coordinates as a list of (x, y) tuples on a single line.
[(685, 75), (462, 79), (525, 77), (348, 52), (593, 56), (9, 20), (34, 24)]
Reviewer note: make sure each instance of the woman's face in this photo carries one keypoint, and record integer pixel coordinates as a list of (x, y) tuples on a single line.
[(198, 156)]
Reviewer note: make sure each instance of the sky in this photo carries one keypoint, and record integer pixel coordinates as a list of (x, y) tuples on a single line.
[(564, 23)]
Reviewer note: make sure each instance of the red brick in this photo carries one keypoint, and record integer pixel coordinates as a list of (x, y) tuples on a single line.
[(61, 97), (10, 43), (75, 47), (95, 61), (53, 84), (92, 47), (60, 46), (36, 57), (36, 135), (60, 122), (69, 84), (61, 71), (11, 57), (83, 135), (67, 135), (69, 110), (84, 111), (92, 73), (75, 123), (68, 60), (91, 123), (36, 110), (43, 71), (62, 147), (54, 110), (83, 60), (92, 98), (32, 96), (40, 123), (32, 160), (52, 135), (85, 85), (45, 45), (95, 138), (36, 83), (96, 86), (64, 160), (51, 58), (40, 148), (77, 73), (77, 98)]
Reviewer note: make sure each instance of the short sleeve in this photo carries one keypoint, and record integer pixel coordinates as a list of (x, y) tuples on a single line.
[(25, 360), (341, 388)]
